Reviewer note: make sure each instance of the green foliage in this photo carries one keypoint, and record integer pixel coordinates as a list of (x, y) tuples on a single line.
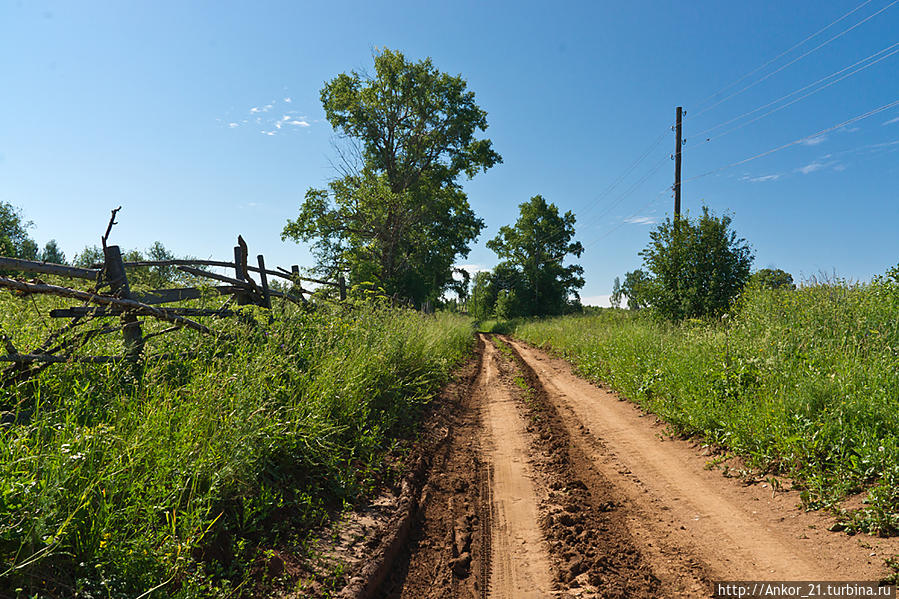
[(636, 289), (615, 299), (532, 252), (508, 305), (88, 257), (52, 253), (800, 382), (483, 296), (772, 279), (14, 239), (111, 484), (400, 219), (697, 267)]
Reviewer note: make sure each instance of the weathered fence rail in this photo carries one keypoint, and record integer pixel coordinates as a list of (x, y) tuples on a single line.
[(130, 306)]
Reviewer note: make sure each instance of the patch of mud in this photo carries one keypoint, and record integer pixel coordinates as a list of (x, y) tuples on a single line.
[(366, 550), (447, 553)]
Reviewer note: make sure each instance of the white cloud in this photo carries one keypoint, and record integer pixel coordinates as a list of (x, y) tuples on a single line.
[(641, 220), (811, 167), (891, 121), (271, 121), (849, 129), (603, 301), (814, 141), (840, 168), (763, 178)]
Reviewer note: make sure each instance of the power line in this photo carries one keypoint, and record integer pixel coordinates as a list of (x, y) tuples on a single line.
[(596, 202), (795, 60), (744, 161), (653, 170), (785, 52), (802, 89), (800, 140)]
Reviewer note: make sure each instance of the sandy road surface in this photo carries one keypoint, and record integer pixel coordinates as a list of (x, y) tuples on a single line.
[(553, 487), (737, 532), (520, 564)]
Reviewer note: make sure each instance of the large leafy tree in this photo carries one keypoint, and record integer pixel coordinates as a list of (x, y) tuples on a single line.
[(14, 239), (398, 217), (534, 248), (696, 266)]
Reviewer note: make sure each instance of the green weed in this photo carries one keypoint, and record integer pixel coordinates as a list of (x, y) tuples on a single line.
[(112, 484), (802, 382)]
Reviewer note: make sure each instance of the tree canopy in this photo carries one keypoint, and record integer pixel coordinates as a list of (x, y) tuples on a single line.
[(398, 217), (696, 266), (14, 239), (773, 278), (532, 253)]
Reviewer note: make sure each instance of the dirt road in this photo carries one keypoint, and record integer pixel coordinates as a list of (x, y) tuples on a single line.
[(553, 487)]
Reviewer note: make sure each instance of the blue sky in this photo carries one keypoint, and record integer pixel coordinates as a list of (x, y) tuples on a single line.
[(203, 119)]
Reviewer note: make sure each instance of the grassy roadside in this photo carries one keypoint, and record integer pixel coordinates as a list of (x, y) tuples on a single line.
[(802, 382), (112, 484)]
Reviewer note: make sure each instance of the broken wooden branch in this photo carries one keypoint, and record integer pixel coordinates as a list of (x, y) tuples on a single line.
[(214, 275), (48, 268), (106, 300), (48, 359), (167, 296), (109, 227), (103, 312)]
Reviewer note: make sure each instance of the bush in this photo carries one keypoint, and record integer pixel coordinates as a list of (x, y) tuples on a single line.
[(696, 267)]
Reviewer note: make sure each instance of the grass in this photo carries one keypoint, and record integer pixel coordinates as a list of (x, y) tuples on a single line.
[(181, 476), (802, 382)]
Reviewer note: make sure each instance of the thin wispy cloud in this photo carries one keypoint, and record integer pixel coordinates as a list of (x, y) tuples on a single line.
[(270, 125), (815, 140), (811, 167), (762, 178), (891, 121), (641, 220), (840, 168)]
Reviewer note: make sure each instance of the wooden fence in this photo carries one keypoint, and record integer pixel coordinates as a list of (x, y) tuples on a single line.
[(129, 306)]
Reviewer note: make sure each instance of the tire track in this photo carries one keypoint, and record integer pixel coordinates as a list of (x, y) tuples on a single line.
[(691, 523)]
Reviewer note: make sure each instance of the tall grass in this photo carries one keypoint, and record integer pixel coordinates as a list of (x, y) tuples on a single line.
[(113, 482), (803, 382)]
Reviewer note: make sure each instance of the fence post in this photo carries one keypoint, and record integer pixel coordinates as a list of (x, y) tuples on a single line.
[(118, 283), (342, 284), (266, 299), (239, 257), (295, 271)]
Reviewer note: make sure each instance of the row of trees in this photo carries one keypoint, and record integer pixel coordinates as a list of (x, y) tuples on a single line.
[(397, 220), (531, 278), (16, 243)]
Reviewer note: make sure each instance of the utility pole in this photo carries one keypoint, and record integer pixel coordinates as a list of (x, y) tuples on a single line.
[(677, 157)]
